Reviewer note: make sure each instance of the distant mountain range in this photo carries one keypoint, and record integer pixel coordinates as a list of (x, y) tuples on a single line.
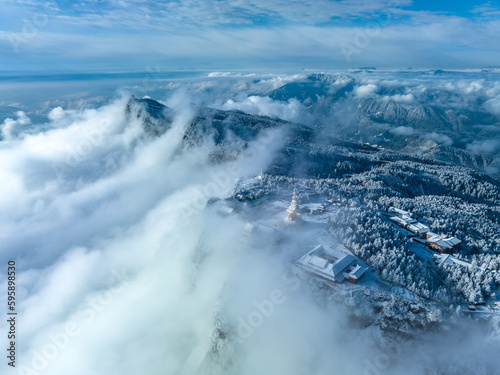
[(439, 123)]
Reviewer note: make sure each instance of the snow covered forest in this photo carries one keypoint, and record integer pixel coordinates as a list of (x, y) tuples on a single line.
[(449, 199)]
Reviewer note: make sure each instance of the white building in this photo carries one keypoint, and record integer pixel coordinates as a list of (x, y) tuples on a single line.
[(332, 265), (400, 212), (419, 229), (397, 220), (408, 219), (404, 219), (442, 259)]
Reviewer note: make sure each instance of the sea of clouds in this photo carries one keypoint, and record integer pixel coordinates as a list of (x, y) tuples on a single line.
[(123, 266)]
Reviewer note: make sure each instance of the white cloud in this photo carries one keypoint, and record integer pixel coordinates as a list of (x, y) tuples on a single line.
[(403, 131), (401, 98), (488, 146), (493, 105), (9, 125), (439, 138), (365, 90), (292, 110), (473, 87), (56, 114)]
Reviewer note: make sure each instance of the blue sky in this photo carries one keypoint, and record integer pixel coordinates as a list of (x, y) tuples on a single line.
[(132, 35)]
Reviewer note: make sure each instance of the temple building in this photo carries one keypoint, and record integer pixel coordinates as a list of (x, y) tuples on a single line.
[(332, 265)]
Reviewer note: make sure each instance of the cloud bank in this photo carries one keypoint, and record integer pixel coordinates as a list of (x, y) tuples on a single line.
[(292, 110)]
